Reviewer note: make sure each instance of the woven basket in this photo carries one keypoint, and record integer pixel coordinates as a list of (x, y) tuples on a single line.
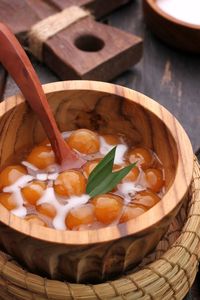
[(167, 273)]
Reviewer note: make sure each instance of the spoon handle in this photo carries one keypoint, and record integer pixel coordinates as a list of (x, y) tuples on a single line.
[(17, 63)]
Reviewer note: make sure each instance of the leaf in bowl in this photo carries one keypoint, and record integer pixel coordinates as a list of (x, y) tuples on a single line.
[(102, 180)]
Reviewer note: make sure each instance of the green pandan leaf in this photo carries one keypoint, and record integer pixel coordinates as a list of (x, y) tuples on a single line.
[(102, 180), (102, 170)]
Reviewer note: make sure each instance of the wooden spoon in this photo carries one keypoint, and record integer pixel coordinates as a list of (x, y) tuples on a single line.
[(17, 63)]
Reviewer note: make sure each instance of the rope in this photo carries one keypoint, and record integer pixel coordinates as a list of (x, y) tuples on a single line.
[(47, 28)]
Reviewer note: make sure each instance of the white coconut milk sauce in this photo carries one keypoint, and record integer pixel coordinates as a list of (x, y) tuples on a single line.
[(184, 10), (119, 154), (61, 209), (15, 190)]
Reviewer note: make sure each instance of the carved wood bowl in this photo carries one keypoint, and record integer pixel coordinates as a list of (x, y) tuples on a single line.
[(95, 255), (176, 33)]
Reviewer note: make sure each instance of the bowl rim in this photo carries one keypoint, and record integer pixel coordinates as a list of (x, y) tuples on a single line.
[(142, 223), (164, 15)]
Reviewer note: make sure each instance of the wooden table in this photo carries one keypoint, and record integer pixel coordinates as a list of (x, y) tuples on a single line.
[(164, 74)]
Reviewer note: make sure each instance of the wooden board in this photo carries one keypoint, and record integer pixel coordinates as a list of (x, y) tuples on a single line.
[(99, 8), (32, 11), (103, 52), (116, 51)]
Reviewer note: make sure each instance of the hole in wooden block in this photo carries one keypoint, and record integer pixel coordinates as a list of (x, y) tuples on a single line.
[(89, 43)]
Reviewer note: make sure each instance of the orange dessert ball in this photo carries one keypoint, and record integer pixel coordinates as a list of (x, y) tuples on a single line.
[(132, 175), (47, 210), (107, 207), (154, 179), (11, 174), (131, 212), (33, 191), (41, 157), (82, 215), (146, 199), (89, 167), (84, 141), (70, 183), (143, 156), (111, 139), (8, 201), (33, 219)]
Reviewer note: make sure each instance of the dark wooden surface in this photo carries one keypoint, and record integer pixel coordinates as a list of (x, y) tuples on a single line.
[(169, 76)]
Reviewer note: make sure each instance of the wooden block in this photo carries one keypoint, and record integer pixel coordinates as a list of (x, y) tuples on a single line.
[(84, 50), (90, 49)]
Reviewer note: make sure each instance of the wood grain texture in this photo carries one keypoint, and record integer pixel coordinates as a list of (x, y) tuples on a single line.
[(16, 62), (99, 8), (86, 49), (177, 33), (32, 11), (93, 256), (115, 51)]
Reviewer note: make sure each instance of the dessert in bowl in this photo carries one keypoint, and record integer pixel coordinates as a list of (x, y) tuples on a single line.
[(40, 192), (76, 237)]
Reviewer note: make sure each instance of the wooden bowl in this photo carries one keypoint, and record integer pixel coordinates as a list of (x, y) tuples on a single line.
[(176, 33), (95, 255)]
